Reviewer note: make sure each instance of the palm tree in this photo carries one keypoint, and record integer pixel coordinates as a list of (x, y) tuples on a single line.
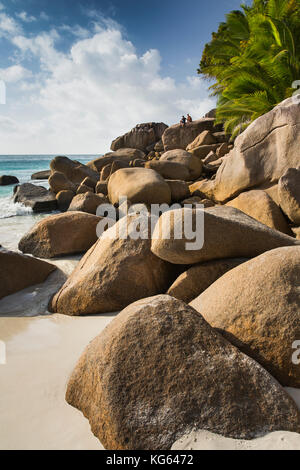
[(254, 58)]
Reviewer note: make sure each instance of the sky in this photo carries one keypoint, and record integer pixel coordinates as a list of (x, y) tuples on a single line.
[(80, 73)]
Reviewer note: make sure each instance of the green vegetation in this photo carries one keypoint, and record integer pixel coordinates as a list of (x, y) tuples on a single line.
[(253, 58)]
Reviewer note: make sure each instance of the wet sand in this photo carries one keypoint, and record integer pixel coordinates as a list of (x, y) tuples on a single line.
[(204, 440), (41, 352), (40, 355)]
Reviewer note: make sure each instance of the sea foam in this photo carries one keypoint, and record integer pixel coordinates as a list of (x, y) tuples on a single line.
[(10, 209)]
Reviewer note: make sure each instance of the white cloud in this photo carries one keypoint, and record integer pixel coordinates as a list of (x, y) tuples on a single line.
[(2, 7), (8, 26), (77, 31), (14, 74), (80, 100), (25, 17), (44, 16)]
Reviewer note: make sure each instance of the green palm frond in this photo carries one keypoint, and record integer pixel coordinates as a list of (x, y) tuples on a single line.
[(253, 57)]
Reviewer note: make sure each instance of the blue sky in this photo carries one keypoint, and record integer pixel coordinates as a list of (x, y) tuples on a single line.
[(79, 73)]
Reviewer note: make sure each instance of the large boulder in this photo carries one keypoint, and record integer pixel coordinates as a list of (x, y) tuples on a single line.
[(262, 153), (101, 187), (6, 180), (140, 137), (178, 137), (36, 197), (259, 205), (227, 233), (74, 171), (111, 168), (289, 194), (126, 155), (203, 188), (192, 163), (169, 170), (116, 271), (204, 138), (59, 182), (87, 202), (19, 271), (41, 175), (64, 199), (158, 370), (256, 307), (296, 232), (61, 234), (204, 150), (179, 190), (199, 277), (138, 185), (83, 188)]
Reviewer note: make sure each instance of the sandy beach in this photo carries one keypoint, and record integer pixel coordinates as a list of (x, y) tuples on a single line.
[(41, 351), (40, 354)]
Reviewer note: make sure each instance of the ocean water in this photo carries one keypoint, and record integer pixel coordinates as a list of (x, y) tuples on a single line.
[(16, 219)]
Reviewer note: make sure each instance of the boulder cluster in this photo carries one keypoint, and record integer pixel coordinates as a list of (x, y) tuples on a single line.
[(206, 336)]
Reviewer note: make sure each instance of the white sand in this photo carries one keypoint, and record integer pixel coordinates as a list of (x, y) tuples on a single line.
[(279, 440), (34, 300), (41, 351), (204, 440), (40, 355)]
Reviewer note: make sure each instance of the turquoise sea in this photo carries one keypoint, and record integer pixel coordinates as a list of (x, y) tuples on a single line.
[(16, 219)]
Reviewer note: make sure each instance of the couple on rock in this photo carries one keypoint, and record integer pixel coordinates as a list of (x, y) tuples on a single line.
[(185, 119)]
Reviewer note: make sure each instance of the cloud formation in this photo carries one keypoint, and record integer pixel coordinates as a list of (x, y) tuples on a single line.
[(25, 17), (80, 100)]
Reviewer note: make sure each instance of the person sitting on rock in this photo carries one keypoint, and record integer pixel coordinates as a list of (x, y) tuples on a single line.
[(189, 118), (183, 121)]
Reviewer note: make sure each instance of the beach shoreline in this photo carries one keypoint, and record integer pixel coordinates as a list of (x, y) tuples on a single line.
[(41, 353)]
